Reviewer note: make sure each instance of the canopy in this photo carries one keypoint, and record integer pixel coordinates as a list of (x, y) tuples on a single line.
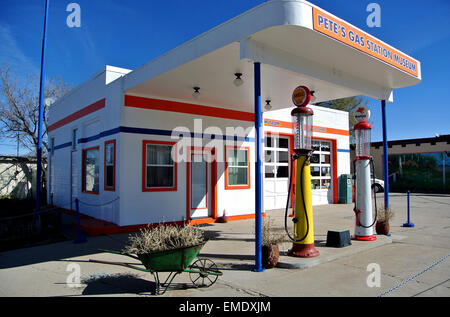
[(296, 43)]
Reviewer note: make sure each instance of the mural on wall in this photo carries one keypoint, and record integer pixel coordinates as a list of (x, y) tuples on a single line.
[(420, 172)]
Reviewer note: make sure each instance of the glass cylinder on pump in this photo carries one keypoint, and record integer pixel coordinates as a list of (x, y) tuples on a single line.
[(363, 139), (303, 120)]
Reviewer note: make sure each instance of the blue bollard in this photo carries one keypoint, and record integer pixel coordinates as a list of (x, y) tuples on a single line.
[(80, 238), (408, 224)]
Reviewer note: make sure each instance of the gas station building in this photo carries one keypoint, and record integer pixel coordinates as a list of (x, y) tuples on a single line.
[(222, 103)]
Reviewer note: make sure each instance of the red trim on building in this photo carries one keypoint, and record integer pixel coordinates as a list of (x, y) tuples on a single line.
[(182, 107), (77, 115)]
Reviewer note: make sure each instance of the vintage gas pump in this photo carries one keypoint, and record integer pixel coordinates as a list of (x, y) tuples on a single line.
[(363, 189), (303, 240)]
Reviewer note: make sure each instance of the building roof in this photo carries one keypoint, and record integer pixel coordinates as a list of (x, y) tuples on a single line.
[(432, 141), (293, 47)]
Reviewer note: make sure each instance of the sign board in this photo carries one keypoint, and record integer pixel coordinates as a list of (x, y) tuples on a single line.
[(301, 96), (350, 35)]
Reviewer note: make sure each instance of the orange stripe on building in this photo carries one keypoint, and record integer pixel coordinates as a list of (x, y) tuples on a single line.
[(77, 115), (181, 107), (290, 125)]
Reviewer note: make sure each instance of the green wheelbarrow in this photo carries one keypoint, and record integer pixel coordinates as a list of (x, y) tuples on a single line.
[(203, 272)]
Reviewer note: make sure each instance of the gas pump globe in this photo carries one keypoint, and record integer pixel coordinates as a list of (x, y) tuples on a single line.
[(362, 165), (302, 116), (303, 120)]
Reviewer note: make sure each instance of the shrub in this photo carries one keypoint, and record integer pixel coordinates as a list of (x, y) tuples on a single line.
[(164, 237), (269, 234), (384, 215)]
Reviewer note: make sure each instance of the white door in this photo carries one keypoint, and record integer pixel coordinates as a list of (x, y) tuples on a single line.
[(276, 171), (200, 178)]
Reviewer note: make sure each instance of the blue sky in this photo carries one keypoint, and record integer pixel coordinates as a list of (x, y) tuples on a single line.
[(130, 33)]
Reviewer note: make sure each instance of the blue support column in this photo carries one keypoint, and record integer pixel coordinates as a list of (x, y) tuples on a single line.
[(41, 118), (258, 170), (385, 156)]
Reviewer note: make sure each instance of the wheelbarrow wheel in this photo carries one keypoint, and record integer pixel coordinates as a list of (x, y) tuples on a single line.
[(203, 273)]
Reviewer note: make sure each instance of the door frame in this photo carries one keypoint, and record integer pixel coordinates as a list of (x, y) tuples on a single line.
[(72, 154), (291, 152), (213, 187)]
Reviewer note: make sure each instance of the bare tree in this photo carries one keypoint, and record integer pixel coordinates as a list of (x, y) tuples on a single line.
[(347, 104), (19, 107), (19, 110)]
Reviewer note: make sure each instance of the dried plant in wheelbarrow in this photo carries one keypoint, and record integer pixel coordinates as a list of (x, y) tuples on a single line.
[(164, 237), (167, 248)]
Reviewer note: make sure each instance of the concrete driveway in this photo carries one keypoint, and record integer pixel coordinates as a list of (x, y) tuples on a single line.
[(411, 262)]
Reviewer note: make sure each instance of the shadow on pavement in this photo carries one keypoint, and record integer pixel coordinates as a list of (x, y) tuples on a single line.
[(103, 284), (124, 283), (60, 251)]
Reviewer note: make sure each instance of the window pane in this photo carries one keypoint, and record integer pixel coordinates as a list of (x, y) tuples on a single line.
[(315, 171), (283, 171), (74, 139), (237, 176), (159, 176), (109, 176), (325, 171), (315, 184), (236, 157), (268, 141), (269, 172), (91, 170), (283, 157), (283, 143), (326, 183), (269, 157), (109, 154), (159, 154), (325, 158), (325, 147), (315, 158), (316, 145)]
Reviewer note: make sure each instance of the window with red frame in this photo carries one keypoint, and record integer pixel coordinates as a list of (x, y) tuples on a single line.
[(91, 170), (237, 175), (110, 165), (159, 168)]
